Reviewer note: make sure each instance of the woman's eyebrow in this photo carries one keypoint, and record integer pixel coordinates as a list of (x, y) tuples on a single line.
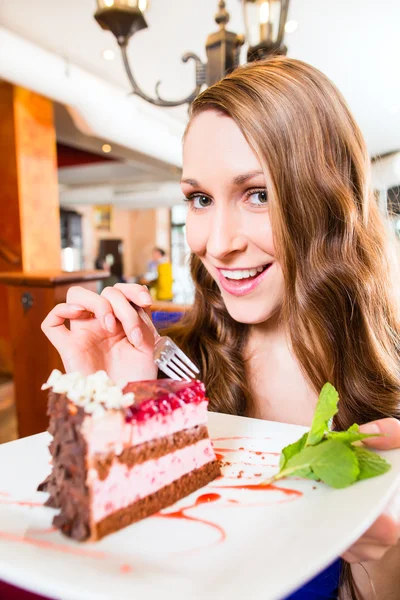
[(191, 182), (238, 180), (246, 176)]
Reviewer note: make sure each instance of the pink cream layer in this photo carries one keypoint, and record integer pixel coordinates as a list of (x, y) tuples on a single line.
[(125, 485), (112, 434)]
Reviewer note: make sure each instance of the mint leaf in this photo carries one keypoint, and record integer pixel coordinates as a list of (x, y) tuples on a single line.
[(292, 450), (371, 464), (331, 461), (330, 456), (351, 435), (326, 409), (340, 467), (307, 474)]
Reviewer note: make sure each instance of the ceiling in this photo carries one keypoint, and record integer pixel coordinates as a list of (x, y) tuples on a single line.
[(129, 179), (355, 42)]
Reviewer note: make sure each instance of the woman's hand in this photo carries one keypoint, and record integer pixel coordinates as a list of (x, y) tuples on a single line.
[(105, 333), (385, 532)]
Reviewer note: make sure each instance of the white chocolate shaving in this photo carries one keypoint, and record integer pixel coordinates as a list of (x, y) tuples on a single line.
[(95, 393)]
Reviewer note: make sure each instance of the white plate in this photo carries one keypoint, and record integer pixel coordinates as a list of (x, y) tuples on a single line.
[(274, 540)]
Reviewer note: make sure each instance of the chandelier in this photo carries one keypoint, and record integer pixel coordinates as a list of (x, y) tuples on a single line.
[(264, 20)]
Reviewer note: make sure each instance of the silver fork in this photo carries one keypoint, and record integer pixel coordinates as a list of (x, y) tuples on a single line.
[(167, 356)]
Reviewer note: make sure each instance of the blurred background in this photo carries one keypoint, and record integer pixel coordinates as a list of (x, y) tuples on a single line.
[(89, 170)]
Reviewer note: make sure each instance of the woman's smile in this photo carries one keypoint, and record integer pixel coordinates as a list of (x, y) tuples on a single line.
[(240, 282)]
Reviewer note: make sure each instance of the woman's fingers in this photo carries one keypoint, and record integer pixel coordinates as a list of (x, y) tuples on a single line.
[(94, 303), (54, 324), (385, 531), (139, 294), (364, 553), (376, 541), (135, 330), (388, 428)]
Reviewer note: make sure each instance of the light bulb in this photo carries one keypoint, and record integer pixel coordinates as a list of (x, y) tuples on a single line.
[(291, 26), (264, 12), (108, 54)]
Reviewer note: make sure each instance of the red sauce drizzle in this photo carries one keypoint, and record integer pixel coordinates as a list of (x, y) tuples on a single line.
[(261, 487), (22, 503), (42, 531), (239, 437), (125, 569), (11, 537), (203, 499), (249, 464), (257, 452)]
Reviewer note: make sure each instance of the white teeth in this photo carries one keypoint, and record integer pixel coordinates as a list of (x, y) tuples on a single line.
[(241, 273)]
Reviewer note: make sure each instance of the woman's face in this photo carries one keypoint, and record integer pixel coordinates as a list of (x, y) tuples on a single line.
[(228, 224)]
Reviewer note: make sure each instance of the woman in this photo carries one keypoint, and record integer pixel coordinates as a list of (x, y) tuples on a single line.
[(294, 285)]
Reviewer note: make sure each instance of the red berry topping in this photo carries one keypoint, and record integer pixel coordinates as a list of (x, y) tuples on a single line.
[(161, 396)]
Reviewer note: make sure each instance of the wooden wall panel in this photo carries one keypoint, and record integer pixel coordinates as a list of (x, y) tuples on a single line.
[(37, 181), (29, 205)]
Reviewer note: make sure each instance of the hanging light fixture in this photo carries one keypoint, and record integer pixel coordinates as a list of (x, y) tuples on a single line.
[(265, 22), (265, 28)]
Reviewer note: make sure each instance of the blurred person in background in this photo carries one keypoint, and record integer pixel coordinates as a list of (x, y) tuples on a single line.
[(158, 277)]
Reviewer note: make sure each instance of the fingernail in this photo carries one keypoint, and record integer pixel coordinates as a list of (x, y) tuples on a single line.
[(136, 337), (76, 307), (109, 321), (145, 297), (370, 428)]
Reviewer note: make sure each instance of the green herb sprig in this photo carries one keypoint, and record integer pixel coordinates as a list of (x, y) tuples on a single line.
[(330, 456)]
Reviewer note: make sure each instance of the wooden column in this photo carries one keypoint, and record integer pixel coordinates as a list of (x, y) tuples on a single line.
[(30, 298), (29, 209), (31, 281)]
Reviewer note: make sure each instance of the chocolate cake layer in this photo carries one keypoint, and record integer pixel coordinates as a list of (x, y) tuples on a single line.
[(153, 503), (66, 483), (151, 450)]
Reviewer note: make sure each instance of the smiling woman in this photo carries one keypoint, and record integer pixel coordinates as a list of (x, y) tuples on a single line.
[(286, 237), (292, 269)]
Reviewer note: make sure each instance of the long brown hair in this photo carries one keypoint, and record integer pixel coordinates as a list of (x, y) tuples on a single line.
[(340, 305)]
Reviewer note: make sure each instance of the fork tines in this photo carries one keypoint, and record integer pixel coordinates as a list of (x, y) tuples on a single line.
[(174, 363)]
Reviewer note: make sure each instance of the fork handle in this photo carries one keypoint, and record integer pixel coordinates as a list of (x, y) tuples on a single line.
[(147, 320)]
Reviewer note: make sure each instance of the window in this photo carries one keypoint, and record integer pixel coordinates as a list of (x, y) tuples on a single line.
[(183, 286)]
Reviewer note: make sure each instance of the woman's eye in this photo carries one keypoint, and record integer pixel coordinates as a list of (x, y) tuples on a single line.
[(200, 202), (258, 198)]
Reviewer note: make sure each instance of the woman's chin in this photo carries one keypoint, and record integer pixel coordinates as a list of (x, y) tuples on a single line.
[(250, 315)]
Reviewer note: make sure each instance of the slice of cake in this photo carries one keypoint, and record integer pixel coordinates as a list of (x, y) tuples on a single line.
[(120, 455)]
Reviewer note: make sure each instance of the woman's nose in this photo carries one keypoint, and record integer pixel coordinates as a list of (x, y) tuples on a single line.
[(226, 236)]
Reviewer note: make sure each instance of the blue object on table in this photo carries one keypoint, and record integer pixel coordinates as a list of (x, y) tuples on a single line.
[(164, 318), (324, 586)]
